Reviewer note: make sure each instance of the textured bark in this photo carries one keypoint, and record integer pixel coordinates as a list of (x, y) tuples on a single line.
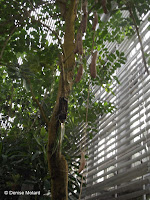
[(57, 164), (58, 169)]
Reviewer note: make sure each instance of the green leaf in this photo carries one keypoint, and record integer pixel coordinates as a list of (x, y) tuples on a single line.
[(105, 103), (121, 61), (116, 78), (110, 58), (35, 155), (117, 52), (122, 54), (117, 65), (43, 132)]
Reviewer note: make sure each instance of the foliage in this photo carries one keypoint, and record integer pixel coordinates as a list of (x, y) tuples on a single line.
[(24, 37), (23, 143)]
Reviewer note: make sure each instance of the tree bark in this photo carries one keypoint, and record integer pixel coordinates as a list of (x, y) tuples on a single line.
[(56, 161), (59, 177)]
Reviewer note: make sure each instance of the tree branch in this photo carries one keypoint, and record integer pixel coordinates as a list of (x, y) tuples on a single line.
[(11, 101), (139, 38), (45, 95), (6, 41), (38, 104), (53, 32)]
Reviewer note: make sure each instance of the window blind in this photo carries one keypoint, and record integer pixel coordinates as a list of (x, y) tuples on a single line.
[(118, 166)]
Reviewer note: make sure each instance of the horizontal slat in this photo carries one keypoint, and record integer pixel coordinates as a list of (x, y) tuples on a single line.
[(117, 179), (121, 155), (105, 132), (122, 114), (123, 135), (126, 164), (130, 187), (125, 196), (127, 135)]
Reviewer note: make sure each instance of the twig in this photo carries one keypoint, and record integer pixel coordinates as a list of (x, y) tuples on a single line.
[(10, 106), (81, 187), (6, 41), (12, 94), (139, 38), (53, 32), (11, 33), (38, 104), (85, 134), (6, 22), (92, 7), (41, 23), (38, 112)]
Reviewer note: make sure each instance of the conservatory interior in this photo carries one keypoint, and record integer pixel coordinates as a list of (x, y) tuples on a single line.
[(74, 120)]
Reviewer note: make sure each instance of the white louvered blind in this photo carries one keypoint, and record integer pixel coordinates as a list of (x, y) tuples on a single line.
[(118, 166)]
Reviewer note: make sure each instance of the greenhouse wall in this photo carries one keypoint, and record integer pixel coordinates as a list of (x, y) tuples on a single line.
[(118, 164)]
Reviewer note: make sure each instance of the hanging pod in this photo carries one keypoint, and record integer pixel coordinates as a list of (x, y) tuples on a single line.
[(82, 162), (79, 74), (76, 48), (80, 47), (95, 21), (84, 22), (93, 70), (84, 6), (104, 2), (79, 36), (79, 44)]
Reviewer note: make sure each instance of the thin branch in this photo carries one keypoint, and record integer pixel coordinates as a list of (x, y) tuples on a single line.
[(38, 104), (6, 22), (6, 41), (91, 10), (81, 188), (11, 33), (85, 134), (53, 32), (44, 4), (41, 23), (10, 105), (45, 95), (139, 38), (11, 101)]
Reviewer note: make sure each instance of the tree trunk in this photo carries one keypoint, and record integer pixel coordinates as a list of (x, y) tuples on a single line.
[(59, 177), (57, 164)]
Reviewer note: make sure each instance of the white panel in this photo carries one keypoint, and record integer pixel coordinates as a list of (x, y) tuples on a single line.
[(118, 166)]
